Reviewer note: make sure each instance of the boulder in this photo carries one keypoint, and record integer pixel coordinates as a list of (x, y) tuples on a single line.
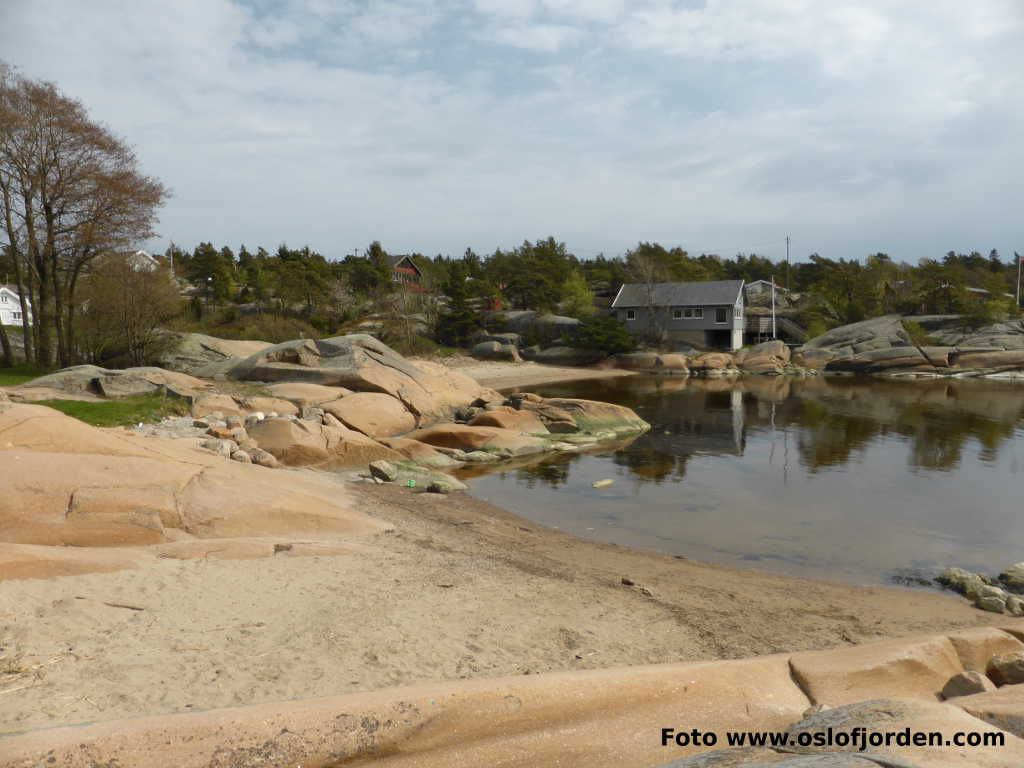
[(303, 395), (592, 416), (111, 383), (967, 684), (428, 390), (712, 362), (501, 442), (507, 417), (567, 356), (420, 453), (964, 582), (372, 413), (769, 357), (202, 355), (881, 332), (502, 338), (383, 470), (557, 420), (306, 443), (495, 350), (1013, 578), (1006, 668)]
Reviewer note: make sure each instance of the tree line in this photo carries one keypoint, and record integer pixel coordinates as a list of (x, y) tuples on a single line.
[(74, 205)]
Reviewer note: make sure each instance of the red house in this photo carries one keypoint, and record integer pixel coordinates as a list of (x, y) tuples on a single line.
[(405, 271)]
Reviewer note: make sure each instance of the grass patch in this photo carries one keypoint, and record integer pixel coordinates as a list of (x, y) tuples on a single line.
[(122, 412), (19, 374)]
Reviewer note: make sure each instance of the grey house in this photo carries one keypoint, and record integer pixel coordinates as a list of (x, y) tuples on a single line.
[(707, 314)]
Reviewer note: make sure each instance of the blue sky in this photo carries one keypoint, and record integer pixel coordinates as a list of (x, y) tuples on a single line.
[(433, 125)]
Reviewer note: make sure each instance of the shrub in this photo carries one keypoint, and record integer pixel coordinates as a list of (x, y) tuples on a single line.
[(918, 335), (605, 334), (414, 346)]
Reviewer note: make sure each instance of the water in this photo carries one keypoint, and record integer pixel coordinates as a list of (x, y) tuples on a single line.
[(851, 479)]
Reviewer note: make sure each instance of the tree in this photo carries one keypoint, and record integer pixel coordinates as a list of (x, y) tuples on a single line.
[(577, 298), (70, 191), (459, 319), (124, 307)]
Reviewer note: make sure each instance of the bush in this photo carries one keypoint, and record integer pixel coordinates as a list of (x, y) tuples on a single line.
[(918, 335), (605, 334), (412, 346), (980, 313), (272, 328)]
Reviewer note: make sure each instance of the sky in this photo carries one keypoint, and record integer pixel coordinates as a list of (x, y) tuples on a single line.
[(433, 125)]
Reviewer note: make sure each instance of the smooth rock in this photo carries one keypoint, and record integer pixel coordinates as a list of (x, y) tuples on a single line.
[(966, 684), (1006, 668), (372, 413), (383, 470), (507, 417)]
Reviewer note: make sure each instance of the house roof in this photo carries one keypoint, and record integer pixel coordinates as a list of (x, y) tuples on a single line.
[(395, 259), (679, 294)]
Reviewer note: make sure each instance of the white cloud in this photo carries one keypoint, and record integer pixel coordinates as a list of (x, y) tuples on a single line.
[(537, 37), (853, 126)]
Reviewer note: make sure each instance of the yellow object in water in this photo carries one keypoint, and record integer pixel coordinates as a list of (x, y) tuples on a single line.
[(603, 483)]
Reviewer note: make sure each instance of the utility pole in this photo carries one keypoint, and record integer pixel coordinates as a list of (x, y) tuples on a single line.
[(1018, 278), (773, 307), (787, 262)]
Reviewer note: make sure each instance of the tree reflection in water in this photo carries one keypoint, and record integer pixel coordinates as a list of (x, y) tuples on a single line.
[(831, 420)]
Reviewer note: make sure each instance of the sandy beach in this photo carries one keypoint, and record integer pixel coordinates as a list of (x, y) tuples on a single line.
[(502, 375), (456, 588)]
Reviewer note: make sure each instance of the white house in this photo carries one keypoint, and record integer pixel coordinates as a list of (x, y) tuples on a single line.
[(10, 306), (143, 261)]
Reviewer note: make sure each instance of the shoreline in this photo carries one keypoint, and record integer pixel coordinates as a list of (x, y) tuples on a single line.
[(456, 588), (506, 375)]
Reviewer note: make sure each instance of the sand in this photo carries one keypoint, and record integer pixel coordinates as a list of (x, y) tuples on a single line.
[(503, 375), (458, 589)]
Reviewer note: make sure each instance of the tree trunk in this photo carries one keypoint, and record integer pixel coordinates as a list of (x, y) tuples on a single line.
[(41, 316), (5, 347)]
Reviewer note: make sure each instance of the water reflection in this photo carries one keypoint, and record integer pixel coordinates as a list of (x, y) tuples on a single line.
[(786, 462), (832, 420)]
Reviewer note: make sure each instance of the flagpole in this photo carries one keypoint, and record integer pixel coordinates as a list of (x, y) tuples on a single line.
[(1018, 278)]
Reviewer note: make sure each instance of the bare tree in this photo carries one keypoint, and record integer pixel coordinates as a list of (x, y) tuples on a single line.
[(70, 191), (123, 308)]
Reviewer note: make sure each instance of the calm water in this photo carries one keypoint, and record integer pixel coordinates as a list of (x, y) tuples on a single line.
[(859, 480)]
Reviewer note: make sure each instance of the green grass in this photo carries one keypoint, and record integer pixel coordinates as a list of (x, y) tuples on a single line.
[(19, 374), (124, 411)]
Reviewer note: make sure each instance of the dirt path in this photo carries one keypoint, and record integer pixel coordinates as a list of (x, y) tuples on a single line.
[(459, 589)]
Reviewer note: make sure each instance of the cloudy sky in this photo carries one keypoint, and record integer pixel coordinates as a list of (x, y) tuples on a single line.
[(718, 125)]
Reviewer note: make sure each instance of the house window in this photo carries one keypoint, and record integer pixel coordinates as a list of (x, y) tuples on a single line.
[(631, 314), (3, 297), (693, 313), (16, 315), (677, 314), (721, 315)]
